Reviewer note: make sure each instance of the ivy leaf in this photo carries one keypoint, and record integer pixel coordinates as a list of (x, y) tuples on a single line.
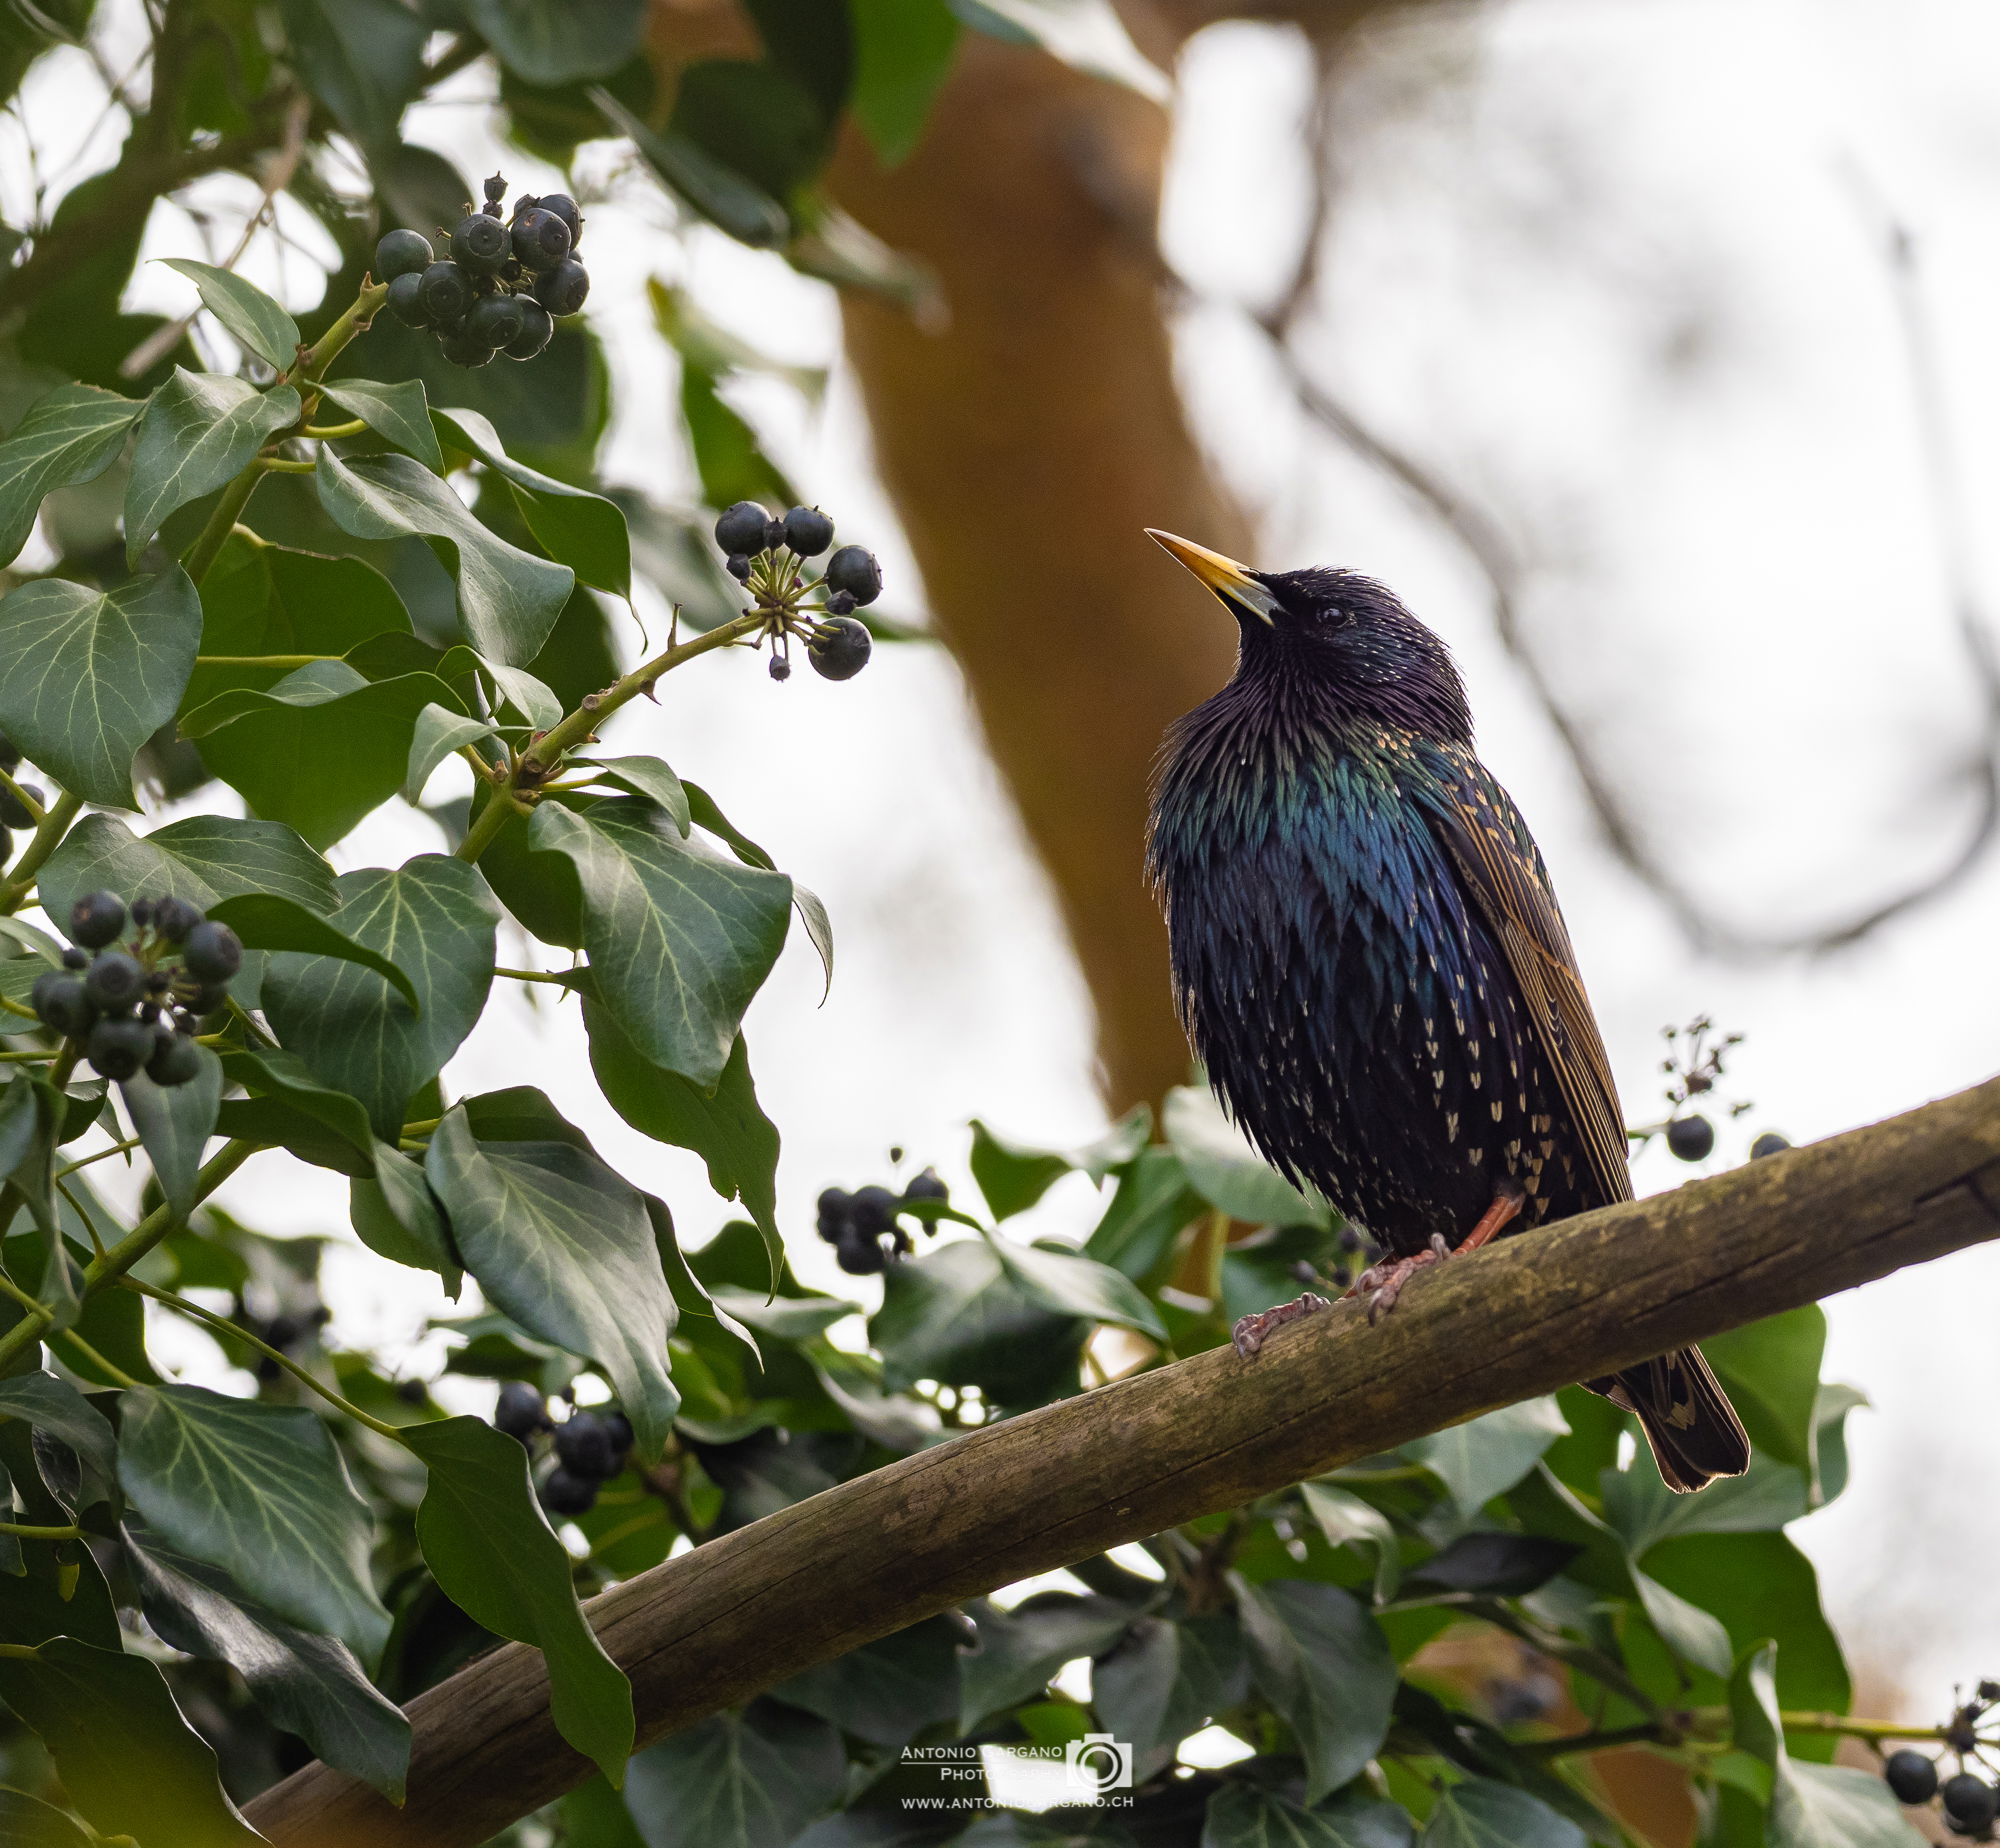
[(564, 1246), (575, 527), (956, 1316), (70, 435), (1168, 1679), (394, 1214), (320, 749), (399, 413), (87, 676), (1321, 1659), (1086, 34), (262, 1492), (127, 1759), (1480, 1813), (435, 920), (1242, 1815), (265, 921), (1486, 1456), (364, 59), (903, 52), (726, 1127), (754, 1779), (494, 1556), (256, 321), (530, 697), (28, 1822), (1012, 1176), (1225, 1171), (174, 1122), (1495, 1564), (439, 732), (679, 938), (558, 41), (204, 859), (200, 429), (509, 599), (55, 1406), (289, 1107), (305, 1684), (649, 777), (1065, 1282), (1771, 1371), (1346, 1520), (1693, 1634), (719, 193), (1019, 1650)]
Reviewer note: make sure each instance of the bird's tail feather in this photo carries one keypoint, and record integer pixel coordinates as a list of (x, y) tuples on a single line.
[(1693, 1429)]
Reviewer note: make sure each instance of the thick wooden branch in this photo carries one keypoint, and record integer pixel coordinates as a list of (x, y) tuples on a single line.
[(713, 1627)]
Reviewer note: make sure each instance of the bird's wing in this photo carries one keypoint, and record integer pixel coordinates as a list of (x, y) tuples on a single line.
[(1502, 872)]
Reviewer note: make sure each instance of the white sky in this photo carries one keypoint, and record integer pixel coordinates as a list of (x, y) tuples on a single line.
[(1604, 269)]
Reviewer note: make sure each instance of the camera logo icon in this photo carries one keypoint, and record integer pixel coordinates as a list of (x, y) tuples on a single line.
[(1098, 1763)]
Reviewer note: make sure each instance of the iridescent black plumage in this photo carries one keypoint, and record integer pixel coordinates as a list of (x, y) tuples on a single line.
[(1369, 957)]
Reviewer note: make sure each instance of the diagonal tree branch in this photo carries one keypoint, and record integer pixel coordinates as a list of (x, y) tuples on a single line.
[(1055, 1486)]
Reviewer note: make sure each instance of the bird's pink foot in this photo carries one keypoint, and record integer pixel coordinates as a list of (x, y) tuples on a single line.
[(1383, 1283), (1250, 1332)]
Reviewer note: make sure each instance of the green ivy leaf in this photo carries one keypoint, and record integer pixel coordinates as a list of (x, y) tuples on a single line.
[(262, 1492), (127, 1759), (1168, 1679), (265, 921), (1483, 1814), (1086, 34), (727, 1127), (679, 938), (174, 1122), (28, 1822), (1011, 1175), (435, 919), (509, 599), (1321, 1659), (1019, 1650), (1771, 1371), (87, 676), (1346, 1520), (564, 1246), (394, 1214), (494, 1556), (1248, 1816), (322, 748), (55, 1406), (903, 52), (200, 429), (955, 1315), (439, 732), (1065, 1282), (737, 1780), (256, 321), (304, 1684), (398, 413), (71, 435), (812, 914), (261, 599), (1151, 1204), (289, 1107), (1223, 1169), (717, 192), (364, 59), (204, 859), (887, 1691), (559, 41), (575, 527), (649, 777), (1486, 1456)]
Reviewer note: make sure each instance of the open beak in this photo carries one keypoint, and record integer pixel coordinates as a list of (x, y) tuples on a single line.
[(1229, 580)]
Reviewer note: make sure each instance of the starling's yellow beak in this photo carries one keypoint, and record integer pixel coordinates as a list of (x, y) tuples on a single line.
[(1229, 580)]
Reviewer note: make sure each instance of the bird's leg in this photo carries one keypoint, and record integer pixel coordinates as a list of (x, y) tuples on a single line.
[(1251, 1330), (1384, 1282)]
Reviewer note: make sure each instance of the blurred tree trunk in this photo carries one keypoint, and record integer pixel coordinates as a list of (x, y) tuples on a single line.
[(1026, 444)]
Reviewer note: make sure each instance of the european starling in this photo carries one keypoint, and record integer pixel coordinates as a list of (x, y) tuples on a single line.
[(1369, 959)]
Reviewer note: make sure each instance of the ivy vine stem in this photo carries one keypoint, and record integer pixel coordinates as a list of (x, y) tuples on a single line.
[(48, 834), (21, 1530), (539, 761)]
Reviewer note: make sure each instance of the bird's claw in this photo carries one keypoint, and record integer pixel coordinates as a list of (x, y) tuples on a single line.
[(1383, 1283), (1250, 1332)]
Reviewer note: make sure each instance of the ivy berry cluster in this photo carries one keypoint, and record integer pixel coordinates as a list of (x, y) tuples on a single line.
[(502, 287), (133, 1005), (590, 1447), (865, 1227), (1969, 1804), (766, 555)]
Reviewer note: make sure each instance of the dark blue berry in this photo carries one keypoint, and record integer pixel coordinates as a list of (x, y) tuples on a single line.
[(213, 952), (1692, 1138), (464, 349), (1969, 1801), (521, 1411), (836, 1214), (403, 253), (739, 530), (495, 321), (1769, 1143), (537, 329), (446, 293), (118, 1048), (563, 1493), (857, 571), (563, 289), (541, 239), (96, 919), (115, 982), (61, 1003), (406, 301), (175, 1059), (808, 531), (14, 813), (1912, 1776), (839, 648), (584, 1447), (738, 567), (564, 207), (174, 917), (480, 244)]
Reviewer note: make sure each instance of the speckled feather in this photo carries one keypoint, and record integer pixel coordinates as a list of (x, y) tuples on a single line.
[(1369, 957)]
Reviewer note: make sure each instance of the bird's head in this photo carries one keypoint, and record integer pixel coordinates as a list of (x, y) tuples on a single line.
[(1344, 635)]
